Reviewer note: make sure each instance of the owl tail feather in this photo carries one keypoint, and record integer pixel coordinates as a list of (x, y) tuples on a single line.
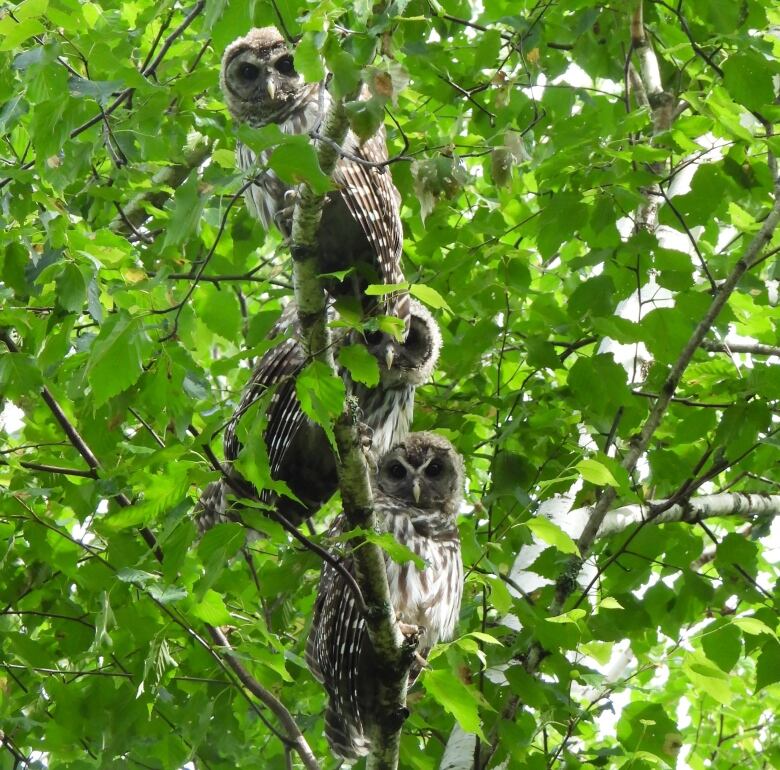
[(346, 738)]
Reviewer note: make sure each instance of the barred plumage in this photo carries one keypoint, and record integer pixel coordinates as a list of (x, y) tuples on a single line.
[(298, 450), (361, 225), (417, 493)]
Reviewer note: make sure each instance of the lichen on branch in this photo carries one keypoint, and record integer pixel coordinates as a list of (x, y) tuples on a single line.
[(354, 482)]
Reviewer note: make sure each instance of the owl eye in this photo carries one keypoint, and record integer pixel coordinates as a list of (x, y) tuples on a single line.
[(397, 471), (373, 338), (285, 65), (433, 469), (248, 71)]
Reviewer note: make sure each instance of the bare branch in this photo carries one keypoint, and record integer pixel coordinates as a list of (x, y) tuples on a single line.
[(392, 657), (151, 69), (744, 506), (81, 446), (754, 348), (90, 474), (294, 734)]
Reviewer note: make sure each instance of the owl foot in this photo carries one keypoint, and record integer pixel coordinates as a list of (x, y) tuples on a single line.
[(365, 438), (410, 630), (412, 634), (283, 217)]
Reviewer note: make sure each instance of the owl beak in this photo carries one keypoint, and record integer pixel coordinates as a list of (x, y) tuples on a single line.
[(389, 356), (270, 88), (416, 490)]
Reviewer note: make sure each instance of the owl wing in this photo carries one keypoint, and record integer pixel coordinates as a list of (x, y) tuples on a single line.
[(266, 193), (374, 202), (333, 654), (278, 368)]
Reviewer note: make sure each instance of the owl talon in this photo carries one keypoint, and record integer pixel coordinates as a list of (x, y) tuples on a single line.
[(283, 221), (365, 436), (410, 631)]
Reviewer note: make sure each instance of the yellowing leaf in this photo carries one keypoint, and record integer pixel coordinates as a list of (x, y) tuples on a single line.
[(572, 616), (753, 626), (552, 534), (429, 296), (593, 471)]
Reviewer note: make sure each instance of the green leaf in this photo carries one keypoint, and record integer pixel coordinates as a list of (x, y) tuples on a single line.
[(321, 394), (71, 288), (723, 645), (346, 73), (429, 296), (380, 289), (551, 533), (365, 117), (572, 616), (221, 312), (186, 212), (13, 33), (748, 77), (395, 550), (296, 162), (167, 594), (161, 492), (455, 697), (709, 679), (307, 57), (362, 366), (753, 626), (612, 392), (223, 540), (18, 375), (116, 359), (211, 609), (645, 727), (666, 333), (596, 473), (768, 665)]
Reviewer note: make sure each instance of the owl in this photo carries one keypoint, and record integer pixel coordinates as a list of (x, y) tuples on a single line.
[(361, 226), (298, 450), (418, 488)]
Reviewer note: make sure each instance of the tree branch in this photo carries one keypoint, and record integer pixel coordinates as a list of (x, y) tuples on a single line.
[(661, 103), (357, 500), (694, 510), (90, 474), (81, 446), (754, 348), (294, 735)]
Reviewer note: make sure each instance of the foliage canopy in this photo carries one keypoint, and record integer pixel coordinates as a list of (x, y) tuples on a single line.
[(137, 291)]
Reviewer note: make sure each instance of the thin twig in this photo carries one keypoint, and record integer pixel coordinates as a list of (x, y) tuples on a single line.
[(81, 446), (171, 39), (90, 474), (294, 735), (243, 490)]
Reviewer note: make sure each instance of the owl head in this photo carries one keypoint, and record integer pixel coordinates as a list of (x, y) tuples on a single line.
[(425, 471), (258, 77), (411, 361)]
